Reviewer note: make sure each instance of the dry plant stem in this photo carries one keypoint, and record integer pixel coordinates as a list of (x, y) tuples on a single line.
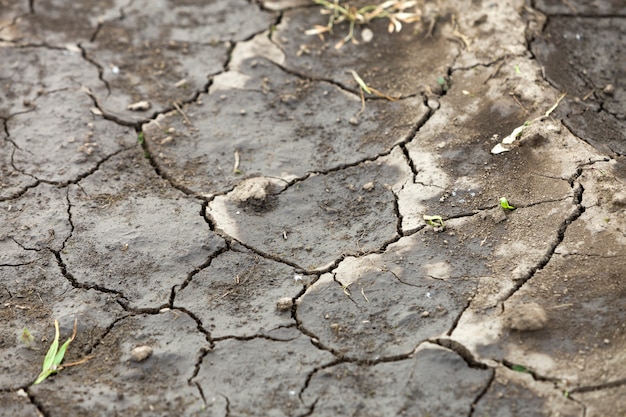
[(458, 34), (181, 112), (236, 165)]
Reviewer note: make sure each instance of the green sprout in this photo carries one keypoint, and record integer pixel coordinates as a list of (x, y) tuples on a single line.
[(443, 83), (54, 357), (504, 203), (520, 368), (434, 221), (140, 138)]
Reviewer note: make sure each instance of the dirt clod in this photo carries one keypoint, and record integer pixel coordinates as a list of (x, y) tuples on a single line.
[(284, 304), (526, 317), (140, 353)]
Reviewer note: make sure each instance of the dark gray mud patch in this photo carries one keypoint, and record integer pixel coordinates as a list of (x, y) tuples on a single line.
[(111, 382), (585, 57), (384, 305), (411, 387), (517, 394), (31, 297), (164, 52), (39, 220), (582, 7), (322, 218), (12, 182), (133, 233), (274, 125), (423, 59), (57, 136), (57, 22), (237, 295), (259, 374)]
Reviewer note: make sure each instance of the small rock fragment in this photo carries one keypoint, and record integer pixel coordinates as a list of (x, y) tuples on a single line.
[(369, 186), (609, 89), (140, 353), (139, 106), (252, 192), (367, 35), (526, 317), (425, 314), (284, 304)]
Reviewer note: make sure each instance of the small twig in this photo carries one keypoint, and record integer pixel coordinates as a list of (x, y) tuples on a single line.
[(568, 4), (519, 103), (363, 294), (80, 362), (236, 165), (456, 32), (431, 28), (182, 113)]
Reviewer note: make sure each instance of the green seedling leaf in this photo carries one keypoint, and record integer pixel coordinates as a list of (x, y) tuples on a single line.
[(26, 337), (54, 357), (140, 138), (504, 203), (517, 71), (520, 368), (443, 83), (434, 221)]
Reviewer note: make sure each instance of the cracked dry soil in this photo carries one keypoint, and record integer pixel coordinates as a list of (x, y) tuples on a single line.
[(198, 180)]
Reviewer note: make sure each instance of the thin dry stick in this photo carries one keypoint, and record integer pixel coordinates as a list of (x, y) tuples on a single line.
[(182, 113)]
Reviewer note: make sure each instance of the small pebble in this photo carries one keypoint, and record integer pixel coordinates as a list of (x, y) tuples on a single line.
[(139, 106), (609, 89), (140, 353), (367, 35), (425, 314), (284, 304), (369, 186)]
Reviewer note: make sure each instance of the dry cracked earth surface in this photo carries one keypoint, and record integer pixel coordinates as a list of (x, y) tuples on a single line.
[(198, 184)]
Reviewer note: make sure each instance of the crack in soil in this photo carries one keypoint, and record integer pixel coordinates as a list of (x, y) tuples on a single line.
[(481, 394), (537, 377), (341, 86), (460, 350), (104, 334), (606, 385), (76, 284), (195, 271), (199, 325), (575, 213), (38, 404)]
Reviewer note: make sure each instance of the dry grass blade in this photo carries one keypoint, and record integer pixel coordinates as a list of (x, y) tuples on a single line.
[(369, 90)]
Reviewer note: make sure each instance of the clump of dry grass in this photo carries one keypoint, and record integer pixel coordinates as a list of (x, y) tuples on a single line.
[(396, 11)]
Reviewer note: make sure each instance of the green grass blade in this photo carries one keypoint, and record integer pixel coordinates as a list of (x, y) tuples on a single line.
[(61, 353), (42, 376), (54, 347)]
